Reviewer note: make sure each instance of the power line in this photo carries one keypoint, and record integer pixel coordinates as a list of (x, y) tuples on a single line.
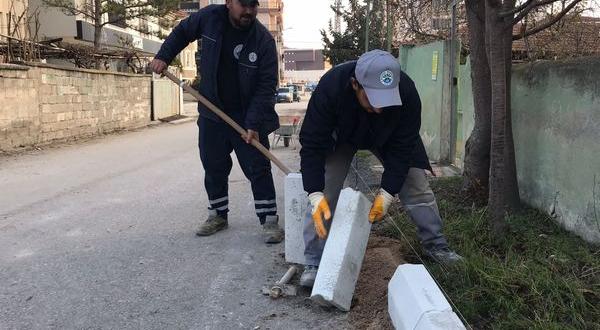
[(391, 221)]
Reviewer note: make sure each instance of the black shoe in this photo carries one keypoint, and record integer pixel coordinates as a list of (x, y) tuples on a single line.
[(213, 224), (272, 233), (444, 256), (307, 279)]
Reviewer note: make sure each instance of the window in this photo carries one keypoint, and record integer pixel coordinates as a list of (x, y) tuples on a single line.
[(216, 2)]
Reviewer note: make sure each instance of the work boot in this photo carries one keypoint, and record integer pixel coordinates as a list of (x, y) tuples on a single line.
[(308, 276), (444, 256), (213, 224), (272, 233)]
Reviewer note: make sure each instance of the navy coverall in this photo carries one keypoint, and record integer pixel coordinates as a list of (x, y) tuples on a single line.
[(252, 91)]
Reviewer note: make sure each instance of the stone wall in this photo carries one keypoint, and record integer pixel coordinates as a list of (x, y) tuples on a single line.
[(42, 103)]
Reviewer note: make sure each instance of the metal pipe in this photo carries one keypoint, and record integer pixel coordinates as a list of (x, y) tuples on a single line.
[(389, 25), (453, 109), (288, 275), (367, 23)]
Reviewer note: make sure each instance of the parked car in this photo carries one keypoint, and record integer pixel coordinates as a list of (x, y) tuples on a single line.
[(310, 87), (285, 94)]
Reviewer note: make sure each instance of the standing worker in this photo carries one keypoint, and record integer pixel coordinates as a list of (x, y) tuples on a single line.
[(367, 104), (239, 74)]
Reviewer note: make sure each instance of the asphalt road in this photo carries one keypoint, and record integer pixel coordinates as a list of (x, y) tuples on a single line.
[(100, 235)]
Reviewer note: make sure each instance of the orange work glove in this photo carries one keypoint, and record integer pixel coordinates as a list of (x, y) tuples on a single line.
[(380, 207), (320, 213)]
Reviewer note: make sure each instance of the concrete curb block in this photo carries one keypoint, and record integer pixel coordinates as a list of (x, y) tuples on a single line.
[(296, 204), (344, 251), (416, 302)]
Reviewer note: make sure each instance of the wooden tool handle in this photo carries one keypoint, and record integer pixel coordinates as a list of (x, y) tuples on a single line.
[(228, 120)]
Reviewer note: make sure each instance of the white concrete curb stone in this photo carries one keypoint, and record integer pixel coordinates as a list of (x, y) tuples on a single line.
[(344, 251), (415, 301), (447, 320), (296, 203)]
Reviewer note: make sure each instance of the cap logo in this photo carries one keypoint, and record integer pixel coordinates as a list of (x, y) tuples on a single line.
[(386, 78)]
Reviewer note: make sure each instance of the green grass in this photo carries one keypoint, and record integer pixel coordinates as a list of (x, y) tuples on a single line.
[(538, 276)]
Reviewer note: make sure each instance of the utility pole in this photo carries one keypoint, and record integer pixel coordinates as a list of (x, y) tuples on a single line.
[(453, 81), (389, 26), (337, 22), (367, 26)]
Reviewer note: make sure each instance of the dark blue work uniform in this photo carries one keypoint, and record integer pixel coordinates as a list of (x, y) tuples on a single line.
[(239, 75)]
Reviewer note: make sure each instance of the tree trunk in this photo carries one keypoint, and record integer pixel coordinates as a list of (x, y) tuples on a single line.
[(496, 29), (477, 149), (97, 31), (511, 186)]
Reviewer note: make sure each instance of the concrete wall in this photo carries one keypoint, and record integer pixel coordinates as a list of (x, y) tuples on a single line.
[(166, 97), (556, 119), (53, 22), (45, 103)]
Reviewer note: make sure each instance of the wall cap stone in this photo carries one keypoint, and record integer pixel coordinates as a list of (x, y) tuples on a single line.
[(64, 68), (10, 66)]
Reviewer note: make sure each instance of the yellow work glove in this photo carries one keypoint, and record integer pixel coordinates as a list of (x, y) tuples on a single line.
[(320, 212), (380, 207)]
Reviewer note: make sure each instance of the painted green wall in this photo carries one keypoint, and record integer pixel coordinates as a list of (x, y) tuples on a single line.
[(556, 119), (556, 126), (417, 63)]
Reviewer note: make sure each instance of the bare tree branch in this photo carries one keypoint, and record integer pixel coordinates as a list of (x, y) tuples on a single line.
[(75, 10), (69, 8), (549, 23), (517, 9), (109, 9), (524, 5), (524, 12)]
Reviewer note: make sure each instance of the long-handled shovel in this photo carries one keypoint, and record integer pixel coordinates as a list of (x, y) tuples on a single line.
[(227, 119), (295, 197)]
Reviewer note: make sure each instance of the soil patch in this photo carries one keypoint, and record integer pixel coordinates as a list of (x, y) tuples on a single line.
[(370, 308)]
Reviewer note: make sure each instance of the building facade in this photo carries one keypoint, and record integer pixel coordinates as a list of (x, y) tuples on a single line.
[(303, 59), (10, 11), (139, 35), (304, 65), (270, 14)]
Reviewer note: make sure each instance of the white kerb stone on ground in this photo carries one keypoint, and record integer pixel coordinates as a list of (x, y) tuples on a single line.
[(416, 302), (344, 251), (296, 204), (447, 320)]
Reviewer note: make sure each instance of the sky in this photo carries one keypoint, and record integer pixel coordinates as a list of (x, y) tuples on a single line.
[(302, 21)]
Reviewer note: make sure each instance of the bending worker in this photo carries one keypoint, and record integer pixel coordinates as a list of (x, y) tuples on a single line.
[(369, 104)]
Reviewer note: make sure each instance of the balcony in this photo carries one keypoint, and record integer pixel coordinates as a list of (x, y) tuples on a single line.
[(189, 7), (270, 5)]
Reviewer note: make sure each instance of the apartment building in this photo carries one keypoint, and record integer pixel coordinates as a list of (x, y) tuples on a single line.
[(11, 15), (139, 34)]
